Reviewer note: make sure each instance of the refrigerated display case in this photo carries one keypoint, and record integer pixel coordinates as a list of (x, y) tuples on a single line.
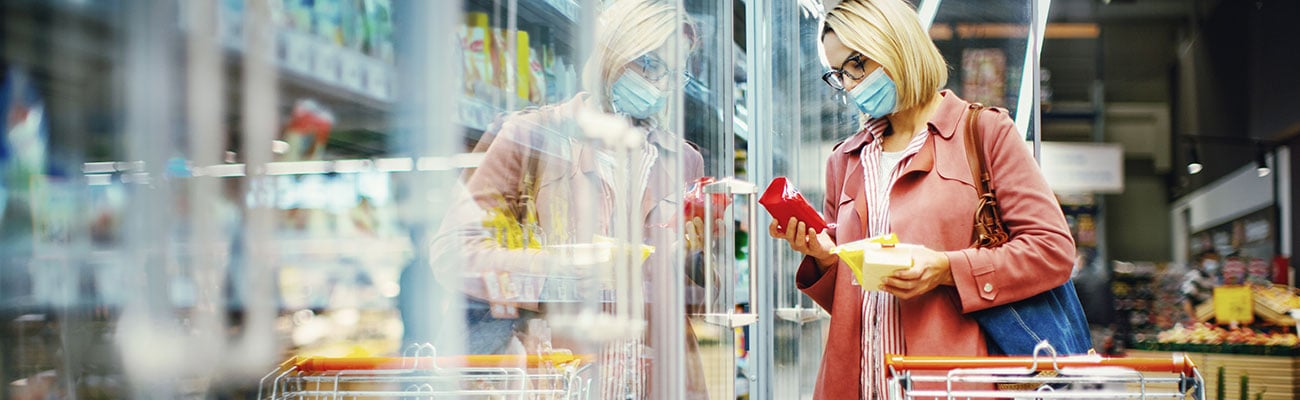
[(196, 192), (233, 184)]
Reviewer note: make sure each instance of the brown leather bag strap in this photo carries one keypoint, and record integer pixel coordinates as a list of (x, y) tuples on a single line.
[(975, 150)]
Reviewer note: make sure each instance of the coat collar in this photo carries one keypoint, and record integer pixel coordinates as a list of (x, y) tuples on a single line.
[(943, 125), (944, 122)]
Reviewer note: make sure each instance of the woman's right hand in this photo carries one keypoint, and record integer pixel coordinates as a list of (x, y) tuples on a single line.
[(807, 241)]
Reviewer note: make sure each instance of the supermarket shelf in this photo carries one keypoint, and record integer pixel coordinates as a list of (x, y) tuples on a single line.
[(104, 173), (315, 64)]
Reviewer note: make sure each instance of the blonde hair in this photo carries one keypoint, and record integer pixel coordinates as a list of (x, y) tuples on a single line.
[(888, 32), (627, 30)]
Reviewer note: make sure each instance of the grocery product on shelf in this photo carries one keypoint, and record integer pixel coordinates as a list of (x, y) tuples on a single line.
[(501, 70), (327, 20), (477, 40), (537, 75), (522, 70), (379, 29), (307, 131)]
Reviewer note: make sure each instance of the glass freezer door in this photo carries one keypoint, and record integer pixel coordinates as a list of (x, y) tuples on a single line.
[(716, 293), (353, 198), (796, 121)]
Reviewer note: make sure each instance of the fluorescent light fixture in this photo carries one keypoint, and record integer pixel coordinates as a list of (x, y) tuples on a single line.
[(394, 164), (221, 171), (351, 166), (99, 180), (297, 167), (99, 167), (468, 160)]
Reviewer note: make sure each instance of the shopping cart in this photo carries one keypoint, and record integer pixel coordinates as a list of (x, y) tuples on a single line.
[(421, 374), (1044, 377)]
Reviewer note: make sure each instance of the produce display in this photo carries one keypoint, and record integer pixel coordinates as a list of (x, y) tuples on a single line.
[(1273, 333), (1203, 333)]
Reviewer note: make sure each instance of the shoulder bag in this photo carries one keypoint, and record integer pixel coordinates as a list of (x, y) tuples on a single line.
[(1014, 329)]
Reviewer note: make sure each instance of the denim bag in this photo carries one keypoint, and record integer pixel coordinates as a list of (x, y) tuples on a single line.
[(1014, 329)]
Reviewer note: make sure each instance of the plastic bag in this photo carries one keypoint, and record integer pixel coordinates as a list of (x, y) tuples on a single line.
[(783, 201)]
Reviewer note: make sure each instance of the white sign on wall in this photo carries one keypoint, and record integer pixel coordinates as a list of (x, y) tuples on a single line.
[(1083, 167)]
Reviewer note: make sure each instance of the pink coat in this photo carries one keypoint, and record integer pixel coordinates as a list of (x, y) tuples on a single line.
[(570, 189), (933, 204)]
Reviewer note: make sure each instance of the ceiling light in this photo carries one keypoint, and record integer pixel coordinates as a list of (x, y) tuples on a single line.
[(1193, 161), (1261, 164)]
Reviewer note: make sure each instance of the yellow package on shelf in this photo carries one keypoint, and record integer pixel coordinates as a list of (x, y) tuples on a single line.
[(523, 73), (602, 249), (872, 259)]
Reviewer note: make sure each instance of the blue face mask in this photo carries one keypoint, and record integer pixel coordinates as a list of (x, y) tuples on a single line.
[(876, 95), (636, 97)]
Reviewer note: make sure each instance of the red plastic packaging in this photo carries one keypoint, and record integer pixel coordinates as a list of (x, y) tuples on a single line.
[(783, 201), (695, 200)]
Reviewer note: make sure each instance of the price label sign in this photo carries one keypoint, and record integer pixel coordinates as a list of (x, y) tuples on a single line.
[(1234, 304)]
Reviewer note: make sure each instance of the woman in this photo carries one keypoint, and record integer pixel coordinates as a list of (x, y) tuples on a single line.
[(906, 172), (567, 174)]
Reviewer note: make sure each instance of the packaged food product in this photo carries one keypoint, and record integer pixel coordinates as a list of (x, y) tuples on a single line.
[(477, 40), (379, 29), (695, 197), (307, 131), (536, 78), (783, 201), (872, 259), (327, 16), (501, 71), (522, 70)]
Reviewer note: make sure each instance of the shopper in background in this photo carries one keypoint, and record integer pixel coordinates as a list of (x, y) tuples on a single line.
[(556, 175), (906, 172), (1199, 282)]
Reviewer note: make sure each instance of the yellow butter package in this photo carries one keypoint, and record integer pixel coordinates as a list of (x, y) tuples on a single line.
[(873, 259)]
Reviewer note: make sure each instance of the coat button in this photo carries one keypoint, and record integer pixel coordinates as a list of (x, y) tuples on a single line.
[(988, 287)]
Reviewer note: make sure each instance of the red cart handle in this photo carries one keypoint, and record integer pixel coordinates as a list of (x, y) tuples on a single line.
[(324, 364), (1180, 363)]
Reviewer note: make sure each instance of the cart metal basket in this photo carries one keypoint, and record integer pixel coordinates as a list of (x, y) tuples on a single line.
[(1044, 377), (558, 376)]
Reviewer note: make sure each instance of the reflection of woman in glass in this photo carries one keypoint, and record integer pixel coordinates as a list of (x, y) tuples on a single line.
[(907, 172), (569, 173)]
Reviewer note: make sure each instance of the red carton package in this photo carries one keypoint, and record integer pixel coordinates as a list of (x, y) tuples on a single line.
[(694, 207), (783, 201)]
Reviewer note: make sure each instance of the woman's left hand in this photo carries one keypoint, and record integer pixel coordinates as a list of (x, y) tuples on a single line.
[(930, 269)]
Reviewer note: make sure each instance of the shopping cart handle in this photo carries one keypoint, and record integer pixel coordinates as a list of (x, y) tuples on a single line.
[(1180, 363), (319, 364)]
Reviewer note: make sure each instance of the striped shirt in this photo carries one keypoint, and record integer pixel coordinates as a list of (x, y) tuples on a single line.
[(882, 329)]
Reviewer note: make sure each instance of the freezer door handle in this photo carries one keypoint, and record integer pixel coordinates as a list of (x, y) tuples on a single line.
[(731, 186)]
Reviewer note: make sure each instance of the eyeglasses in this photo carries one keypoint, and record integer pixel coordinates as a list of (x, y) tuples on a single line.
[(655, 69), (835, 77)]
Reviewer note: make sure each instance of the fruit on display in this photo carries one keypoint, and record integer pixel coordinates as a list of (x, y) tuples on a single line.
[(1202, 333), (1277, 297)]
